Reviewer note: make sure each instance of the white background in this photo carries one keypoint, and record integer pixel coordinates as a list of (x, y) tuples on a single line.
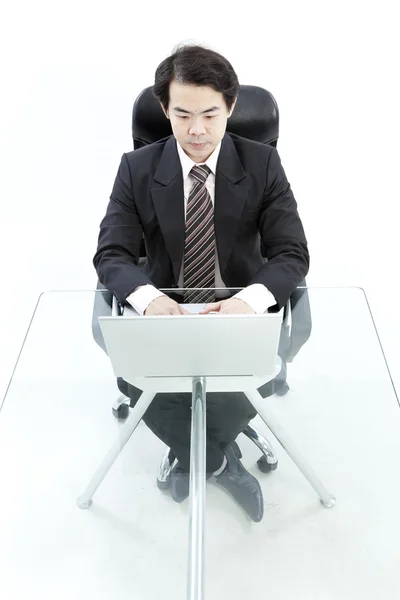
[(69, 75)]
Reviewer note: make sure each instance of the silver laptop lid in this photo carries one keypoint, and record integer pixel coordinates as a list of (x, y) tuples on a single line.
[(192, 345)]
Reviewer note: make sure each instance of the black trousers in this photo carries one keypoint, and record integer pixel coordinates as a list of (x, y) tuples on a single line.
[(169, 416)]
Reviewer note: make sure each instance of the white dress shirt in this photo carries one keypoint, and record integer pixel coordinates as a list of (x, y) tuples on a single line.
[(257, 296)]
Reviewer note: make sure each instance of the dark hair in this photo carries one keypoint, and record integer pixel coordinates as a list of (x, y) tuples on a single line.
[(196, 65)]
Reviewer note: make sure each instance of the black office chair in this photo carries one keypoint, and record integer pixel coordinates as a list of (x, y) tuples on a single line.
[(255, 117)]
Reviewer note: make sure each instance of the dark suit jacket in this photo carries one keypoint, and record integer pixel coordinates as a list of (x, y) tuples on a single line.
[(254, 205)]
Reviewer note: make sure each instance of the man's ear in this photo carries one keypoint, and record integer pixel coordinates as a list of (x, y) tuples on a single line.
[(164, 111)]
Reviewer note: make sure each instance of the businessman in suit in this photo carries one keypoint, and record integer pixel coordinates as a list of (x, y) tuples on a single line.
[(205, 200)]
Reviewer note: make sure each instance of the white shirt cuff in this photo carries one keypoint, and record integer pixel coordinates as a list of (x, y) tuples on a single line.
[(142, 296), (257, 296)]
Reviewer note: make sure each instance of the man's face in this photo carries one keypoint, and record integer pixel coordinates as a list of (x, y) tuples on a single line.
[(198, 116)]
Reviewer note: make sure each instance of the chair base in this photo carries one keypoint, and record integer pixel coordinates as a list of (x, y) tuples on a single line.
[(267, 463)]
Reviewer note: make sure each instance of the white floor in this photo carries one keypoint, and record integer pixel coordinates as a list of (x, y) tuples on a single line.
[(132, 542)]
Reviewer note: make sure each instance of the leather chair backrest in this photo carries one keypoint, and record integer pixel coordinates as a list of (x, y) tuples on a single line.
[(255, 117)]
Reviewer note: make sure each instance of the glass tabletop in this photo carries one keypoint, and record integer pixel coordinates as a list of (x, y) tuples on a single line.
[(334, 397)]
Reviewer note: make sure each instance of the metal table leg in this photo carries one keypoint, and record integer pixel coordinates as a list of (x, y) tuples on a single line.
[(85, 500), (195, 588), (327, 499)]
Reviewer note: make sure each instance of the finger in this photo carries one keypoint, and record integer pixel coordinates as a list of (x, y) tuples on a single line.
[(213, 306), (183, 310)]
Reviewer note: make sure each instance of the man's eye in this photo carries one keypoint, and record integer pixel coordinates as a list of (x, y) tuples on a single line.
[(211, 116), (183, 117)]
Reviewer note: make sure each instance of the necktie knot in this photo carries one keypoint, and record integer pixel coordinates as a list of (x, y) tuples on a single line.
[(200, 173)]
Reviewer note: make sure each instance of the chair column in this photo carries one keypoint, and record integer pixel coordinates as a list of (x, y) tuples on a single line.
[(195, 588)]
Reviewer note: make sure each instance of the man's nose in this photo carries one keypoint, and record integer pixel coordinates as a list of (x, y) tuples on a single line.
[(197, 128)]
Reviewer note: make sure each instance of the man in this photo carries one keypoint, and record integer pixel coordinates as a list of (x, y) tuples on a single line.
[(204, 200)]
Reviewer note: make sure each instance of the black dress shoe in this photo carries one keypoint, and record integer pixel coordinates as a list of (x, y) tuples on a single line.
[(241, 485), (179, 483)]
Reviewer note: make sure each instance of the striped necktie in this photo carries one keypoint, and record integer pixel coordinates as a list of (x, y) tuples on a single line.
[(199, 254)]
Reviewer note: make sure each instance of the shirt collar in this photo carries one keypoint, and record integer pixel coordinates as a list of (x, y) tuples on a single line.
[(188, 164)]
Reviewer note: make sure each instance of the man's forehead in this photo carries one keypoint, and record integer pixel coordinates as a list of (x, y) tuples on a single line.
[(194, 97)]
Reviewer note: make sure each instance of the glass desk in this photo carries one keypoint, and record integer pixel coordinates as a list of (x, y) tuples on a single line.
[(56, 424)]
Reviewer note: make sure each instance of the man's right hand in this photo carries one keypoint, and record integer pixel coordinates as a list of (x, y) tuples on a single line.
[(164, 305)]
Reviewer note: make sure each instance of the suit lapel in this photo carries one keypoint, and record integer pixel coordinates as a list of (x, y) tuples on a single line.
[(231, 189), (169, 203)]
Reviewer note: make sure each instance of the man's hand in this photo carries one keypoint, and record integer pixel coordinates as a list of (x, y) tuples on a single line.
[(164, 305), (231, 306)]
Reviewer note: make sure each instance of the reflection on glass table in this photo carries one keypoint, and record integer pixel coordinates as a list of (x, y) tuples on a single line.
[(334, 397)]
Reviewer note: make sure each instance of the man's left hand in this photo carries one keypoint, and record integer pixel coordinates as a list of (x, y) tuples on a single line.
[(231, 306)]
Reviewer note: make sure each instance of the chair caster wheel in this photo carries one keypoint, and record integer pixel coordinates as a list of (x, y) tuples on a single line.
[(121, 412), (282, 391), (265, 466)]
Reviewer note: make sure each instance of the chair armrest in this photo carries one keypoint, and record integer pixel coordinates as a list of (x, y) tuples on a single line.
[(102, 307), (301, 323), (105, 304)]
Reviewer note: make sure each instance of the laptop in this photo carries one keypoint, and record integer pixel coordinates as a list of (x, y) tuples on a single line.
[(192, 345)]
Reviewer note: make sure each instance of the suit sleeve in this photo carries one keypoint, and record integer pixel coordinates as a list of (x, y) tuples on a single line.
[(119, 241), (282, 237)]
